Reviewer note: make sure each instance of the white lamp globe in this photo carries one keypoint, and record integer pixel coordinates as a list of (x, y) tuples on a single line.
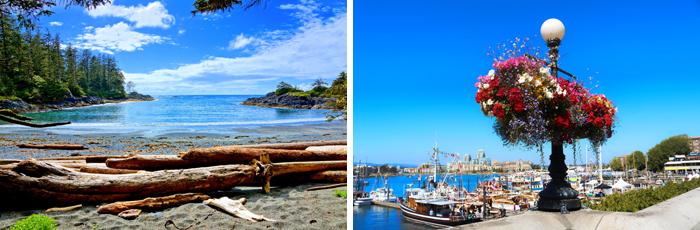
[(552, 29)]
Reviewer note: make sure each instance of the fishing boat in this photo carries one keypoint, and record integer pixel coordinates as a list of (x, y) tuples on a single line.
[(359, 196), (383, 195), (432, 204)]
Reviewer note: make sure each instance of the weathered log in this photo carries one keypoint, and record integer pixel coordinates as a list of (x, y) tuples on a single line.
[(153, 162), (329, 148), (152, 204), (29, 124), (294, 145), (101, 168), (238, 155), (52, 146), (338, 176), (9, 113), (236, 208), (326, 187), (64, 209), (52, 184)]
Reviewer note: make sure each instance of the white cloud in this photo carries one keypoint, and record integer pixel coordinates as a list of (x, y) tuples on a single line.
[(241, 41), (152, 15), (317, 49), (114, 38), (181, 31), (54, 23)]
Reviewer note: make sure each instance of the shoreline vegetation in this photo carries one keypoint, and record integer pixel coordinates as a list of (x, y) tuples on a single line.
[(319, 97), (40, 73)]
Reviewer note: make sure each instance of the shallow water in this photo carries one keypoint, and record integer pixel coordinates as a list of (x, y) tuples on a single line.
[(173, 114)]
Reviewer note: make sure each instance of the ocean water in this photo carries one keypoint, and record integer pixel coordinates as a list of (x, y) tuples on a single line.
[(173, 114), (376, 217)]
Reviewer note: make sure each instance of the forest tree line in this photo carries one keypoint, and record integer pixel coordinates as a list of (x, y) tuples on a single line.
[(37, 68)]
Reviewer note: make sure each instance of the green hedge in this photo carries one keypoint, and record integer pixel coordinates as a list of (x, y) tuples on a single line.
[(639, 199)]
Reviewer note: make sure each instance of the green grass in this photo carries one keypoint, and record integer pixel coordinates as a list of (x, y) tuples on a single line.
[(341, 193), (35, 222), (639, 199), (299, 94), (13, 98)]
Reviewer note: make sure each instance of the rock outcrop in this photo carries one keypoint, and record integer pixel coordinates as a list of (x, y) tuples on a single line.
[(290, 101)]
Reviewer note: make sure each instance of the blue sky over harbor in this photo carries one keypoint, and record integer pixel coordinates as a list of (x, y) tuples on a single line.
[(166, 50), (416, 65)]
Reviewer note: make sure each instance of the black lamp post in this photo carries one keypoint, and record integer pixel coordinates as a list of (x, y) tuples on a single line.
[(558, 194)]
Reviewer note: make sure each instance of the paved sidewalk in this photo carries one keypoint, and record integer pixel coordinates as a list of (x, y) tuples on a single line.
[(681, 212)]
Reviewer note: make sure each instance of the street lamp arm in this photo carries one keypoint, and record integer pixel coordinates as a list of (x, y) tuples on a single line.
[(558, 68)]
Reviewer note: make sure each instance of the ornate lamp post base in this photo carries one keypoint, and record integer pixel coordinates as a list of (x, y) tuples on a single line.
[(558, 194), (552, 198)]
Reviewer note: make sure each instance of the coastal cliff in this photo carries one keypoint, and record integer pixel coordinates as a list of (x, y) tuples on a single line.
[(291, 100)]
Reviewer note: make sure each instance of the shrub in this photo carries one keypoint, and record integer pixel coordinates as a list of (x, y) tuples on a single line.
[(35, 222), (636, 200), (341, 193), (299, 94)]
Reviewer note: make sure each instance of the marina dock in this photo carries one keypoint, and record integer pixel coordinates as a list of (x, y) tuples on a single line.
[(386, 204)]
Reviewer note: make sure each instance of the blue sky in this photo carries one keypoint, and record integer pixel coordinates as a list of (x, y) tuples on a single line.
[(416, 65), (165, 50)]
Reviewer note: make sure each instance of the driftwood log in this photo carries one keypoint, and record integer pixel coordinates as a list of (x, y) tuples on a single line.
[(64, 209), (87, 158), (152, 204), (50, 184), (29, 124), (329, 148), (236, 208), (101, 168), (239, 155), (294, 145), (9, 113), (52, 146), (154, 162)]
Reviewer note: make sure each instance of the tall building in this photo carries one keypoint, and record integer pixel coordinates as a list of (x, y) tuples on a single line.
[(694, 144)]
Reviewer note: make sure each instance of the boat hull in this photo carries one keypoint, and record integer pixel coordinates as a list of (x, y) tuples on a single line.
[(446, 221)]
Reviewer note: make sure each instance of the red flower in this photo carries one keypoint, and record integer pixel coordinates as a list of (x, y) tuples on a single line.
[(498, 111), (598, 122), (519, 106), (563, 121), (608, 120)]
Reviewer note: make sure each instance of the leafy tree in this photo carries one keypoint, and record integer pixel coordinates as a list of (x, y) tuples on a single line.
[(339, 91), (659, 154), (284, 87), (616, 164), (637, 160), (209, 6)]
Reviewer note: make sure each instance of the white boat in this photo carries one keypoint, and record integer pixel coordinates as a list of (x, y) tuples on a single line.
[(362, 201), (383, 195)]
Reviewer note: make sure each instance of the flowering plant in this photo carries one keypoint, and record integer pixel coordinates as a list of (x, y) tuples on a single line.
[(532, 107)]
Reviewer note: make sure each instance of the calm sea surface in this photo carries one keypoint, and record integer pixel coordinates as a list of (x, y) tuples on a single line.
[(375, 217), (173, 114)]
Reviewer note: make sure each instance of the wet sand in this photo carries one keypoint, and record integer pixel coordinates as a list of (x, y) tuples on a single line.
[(291, 206)]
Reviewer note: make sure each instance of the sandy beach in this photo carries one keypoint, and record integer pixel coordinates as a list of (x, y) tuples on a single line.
[(292, 207)]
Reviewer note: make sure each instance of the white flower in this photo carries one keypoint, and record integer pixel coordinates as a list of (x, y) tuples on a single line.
[(538, 82), (491, 73), (524, 78), (544, 70), (548, 94), (489, 102), (485, 86)]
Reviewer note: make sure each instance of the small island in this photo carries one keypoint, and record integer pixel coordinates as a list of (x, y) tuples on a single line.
[(318, 97)]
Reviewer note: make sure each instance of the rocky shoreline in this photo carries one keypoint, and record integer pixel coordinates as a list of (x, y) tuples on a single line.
[(20, 106), (290, 101)]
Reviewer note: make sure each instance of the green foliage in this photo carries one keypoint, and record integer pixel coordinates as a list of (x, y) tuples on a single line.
[(616, 164), (341, 193), (299, 94), (636, 200), (636, 159), (34, 67), (210, 6), (284, 87), (339, 91), (659, 154), (317, 91), (35, 222)]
